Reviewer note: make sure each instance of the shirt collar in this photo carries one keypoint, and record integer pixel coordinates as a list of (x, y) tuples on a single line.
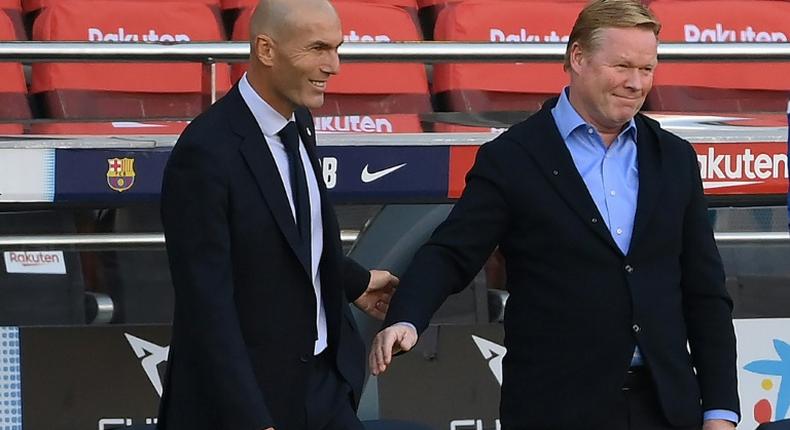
[(269, 120), (568, 120)]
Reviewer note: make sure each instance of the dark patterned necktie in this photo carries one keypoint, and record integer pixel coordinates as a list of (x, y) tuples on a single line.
[(290, 138)]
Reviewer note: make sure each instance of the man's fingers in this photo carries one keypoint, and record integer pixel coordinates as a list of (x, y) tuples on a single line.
[(408, 339), (389, 341), (385, 341)]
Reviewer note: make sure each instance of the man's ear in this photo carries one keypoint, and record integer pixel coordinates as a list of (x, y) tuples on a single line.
[(576, 57), (264, 49)]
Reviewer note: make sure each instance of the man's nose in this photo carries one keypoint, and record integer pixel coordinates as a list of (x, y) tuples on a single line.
[(332, 65)]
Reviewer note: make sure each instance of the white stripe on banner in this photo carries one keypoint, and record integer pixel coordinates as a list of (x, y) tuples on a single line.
[(27, 175), (10, 380)]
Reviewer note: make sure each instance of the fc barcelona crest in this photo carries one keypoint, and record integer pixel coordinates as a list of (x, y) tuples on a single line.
[(120, 175)]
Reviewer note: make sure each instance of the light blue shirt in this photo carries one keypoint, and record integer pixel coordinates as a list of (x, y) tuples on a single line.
[(611, 175)]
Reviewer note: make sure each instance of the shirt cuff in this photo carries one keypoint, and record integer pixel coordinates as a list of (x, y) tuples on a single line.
[(407, 324), (721, 414)]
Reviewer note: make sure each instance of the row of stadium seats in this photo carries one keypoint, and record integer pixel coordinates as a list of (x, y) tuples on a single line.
[(145, 91)]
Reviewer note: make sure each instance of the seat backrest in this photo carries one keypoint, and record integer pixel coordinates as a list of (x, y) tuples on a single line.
[(126, 21), (502, 21), (370, 22), (243, 4), (109, 128), (13, 9), (13, 89), (34, 5), (717, 22)]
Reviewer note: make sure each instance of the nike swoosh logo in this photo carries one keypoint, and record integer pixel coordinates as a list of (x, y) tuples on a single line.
[(368, 177)]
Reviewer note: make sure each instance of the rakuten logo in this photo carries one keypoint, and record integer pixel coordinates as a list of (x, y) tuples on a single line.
[(352, 123), (352, 36), (33, 258), (43, 262), (719, 33), (97, 35), (720, 170), (497, 35)]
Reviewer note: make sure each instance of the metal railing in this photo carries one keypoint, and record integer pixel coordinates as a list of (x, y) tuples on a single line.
[(105, 241), (409, 52), (211, 53), (156, 241)]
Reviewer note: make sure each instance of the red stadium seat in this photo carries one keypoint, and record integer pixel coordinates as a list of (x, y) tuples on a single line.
[(13, 8), (717, 87), (34, 5), (471, 87), (110, 128), (381, 124), (243, 4), (124, 90), (13, 89), (367, 88)]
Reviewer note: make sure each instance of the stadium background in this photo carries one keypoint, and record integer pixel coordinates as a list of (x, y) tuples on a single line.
[(111, 99)]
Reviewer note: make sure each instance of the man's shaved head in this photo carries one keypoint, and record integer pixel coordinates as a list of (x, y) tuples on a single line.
[(276, 17), (293, 52)]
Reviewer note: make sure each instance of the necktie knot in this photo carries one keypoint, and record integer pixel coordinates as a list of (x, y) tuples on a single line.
[(290, 137)]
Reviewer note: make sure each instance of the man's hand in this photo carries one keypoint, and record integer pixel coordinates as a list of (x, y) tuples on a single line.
[(718, 425), (391, 340), (376, 299)]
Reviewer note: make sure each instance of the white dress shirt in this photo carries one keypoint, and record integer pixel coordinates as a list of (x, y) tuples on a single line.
[(271, 122)]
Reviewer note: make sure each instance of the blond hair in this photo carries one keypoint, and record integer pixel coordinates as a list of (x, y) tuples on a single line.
[(602, 14)]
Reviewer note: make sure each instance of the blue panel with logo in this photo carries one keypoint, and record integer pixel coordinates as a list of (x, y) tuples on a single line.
[(353, 174), (109, 176), (385, 173)]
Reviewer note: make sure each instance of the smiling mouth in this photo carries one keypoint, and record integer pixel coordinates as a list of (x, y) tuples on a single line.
[(321, 85)]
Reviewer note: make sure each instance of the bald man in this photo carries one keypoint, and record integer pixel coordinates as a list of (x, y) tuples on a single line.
[(263, 337)]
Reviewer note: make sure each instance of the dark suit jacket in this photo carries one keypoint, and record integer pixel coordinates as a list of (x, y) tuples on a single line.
[(577, 305), (244, 324)]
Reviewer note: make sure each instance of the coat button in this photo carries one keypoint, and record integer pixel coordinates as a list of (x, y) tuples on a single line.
[(555, 172), (628, 268), (636, 328), (594, 220)]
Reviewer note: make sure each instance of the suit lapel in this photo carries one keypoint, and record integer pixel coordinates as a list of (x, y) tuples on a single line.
[(259, 159), (650, 178), (555, 162)]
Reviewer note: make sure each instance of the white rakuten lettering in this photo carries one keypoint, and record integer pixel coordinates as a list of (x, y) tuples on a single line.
[(719, 33), (353, 123), (352, 36), (746, 165), (749, 35), (97, 35), (498, 35)]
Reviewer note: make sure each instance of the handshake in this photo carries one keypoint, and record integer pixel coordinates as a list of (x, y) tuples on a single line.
[(396, 338)]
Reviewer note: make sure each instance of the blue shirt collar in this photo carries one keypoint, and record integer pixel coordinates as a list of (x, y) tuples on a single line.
[(568, 120)]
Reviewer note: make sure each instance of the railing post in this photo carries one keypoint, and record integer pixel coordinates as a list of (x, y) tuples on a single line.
[(209, 84)]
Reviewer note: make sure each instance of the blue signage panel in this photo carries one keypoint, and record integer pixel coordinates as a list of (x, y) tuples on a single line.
[(353, 174), (109, 176), (385, 173)]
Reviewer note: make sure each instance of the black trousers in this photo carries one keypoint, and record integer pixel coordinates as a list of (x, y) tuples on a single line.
[(640, 408), (329, 404)]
